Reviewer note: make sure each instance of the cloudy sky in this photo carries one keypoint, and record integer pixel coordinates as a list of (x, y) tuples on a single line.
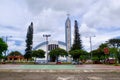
[(100, 18)]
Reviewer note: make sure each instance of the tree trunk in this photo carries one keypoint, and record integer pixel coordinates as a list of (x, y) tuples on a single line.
[(56, 58)]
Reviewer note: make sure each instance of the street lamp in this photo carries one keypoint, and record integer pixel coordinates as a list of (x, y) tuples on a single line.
[(46, 36), (90, 39)]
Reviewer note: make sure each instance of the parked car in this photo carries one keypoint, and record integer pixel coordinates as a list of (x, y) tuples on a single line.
[(89, 62), (40, 62), (97, 62), (110, 61), (76, 62), (58, 62)]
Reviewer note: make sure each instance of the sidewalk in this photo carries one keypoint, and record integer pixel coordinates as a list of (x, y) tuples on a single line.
[(59, 72), (60, 68)]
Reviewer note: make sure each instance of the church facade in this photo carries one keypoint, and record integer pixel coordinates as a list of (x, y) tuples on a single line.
[(55, 44)]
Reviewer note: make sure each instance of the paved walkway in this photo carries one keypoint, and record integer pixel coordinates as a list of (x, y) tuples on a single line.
[(59, 76), (59, 72), (60, 68)]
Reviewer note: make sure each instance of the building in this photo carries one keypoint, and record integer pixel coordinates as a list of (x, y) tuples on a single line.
[(18, 58), (50, 45)]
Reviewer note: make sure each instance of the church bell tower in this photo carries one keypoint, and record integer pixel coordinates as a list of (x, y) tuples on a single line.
[(68, 33)]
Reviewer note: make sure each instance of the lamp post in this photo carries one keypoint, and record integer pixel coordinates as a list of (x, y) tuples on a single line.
[(90, 39), (46, 36)]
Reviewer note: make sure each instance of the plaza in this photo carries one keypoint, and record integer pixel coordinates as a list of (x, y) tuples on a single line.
[(59, 72), (60, 68)]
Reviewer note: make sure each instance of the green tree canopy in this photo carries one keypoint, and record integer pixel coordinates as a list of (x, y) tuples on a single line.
[(115, 53), (84, 55), (3, 46), (77, 53), (15, 53), (77, 44), (103, 45), (114, 43), (29, 42), (99, 54), (58, 52), (38, 53), (101, 48)]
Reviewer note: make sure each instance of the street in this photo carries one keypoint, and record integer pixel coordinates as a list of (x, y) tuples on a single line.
[(59, 76)]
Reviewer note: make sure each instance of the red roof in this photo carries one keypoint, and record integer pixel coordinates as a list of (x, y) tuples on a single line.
[(15, 57)]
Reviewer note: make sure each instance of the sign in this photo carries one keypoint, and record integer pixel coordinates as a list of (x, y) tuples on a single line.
[(106, 50)]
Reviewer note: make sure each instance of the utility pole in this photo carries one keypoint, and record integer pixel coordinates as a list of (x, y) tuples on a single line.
[(46, 36), (90, 40)]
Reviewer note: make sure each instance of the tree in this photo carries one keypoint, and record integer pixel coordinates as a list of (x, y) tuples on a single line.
[(103, 51), (76, 49), (114, 52), (29, 42), (38, 54), (99, 53), (76, 54), (118, 55), (77, 41), (3, 47), (84, 56), (15, 53), (58, 52), (115, 44), (103, 45)]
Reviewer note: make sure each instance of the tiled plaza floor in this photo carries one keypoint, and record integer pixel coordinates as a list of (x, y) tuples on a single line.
[(62, 68), (59, 72)]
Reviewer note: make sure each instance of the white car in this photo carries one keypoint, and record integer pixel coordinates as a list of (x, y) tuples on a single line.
[(76, 62), (40, 62)]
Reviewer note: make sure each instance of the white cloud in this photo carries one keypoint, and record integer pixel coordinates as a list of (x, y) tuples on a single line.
[(12, 13), (103, 14), (58, 5), (95, 17), (86, 30)]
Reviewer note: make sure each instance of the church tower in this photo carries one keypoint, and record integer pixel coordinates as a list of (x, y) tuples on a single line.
[(68, 34)]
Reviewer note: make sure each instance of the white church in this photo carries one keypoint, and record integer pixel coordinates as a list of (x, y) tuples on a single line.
[(50, 45)]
